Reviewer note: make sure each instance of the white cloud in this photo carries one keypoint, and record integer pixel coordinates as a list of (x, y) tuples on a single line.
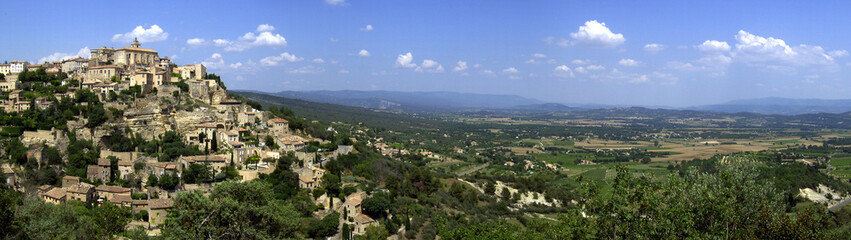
[(336, 2), (654, 47), (405, 60), (318, 60), (152, 34), (84, 52), (487, 72), (595, 68), (333, 39), (196, 41), (461, 66), (755, 49), (580, 70), (251, 40), (265, 28), (580, 61), (429, 65), (283, 57), (363, 53), (838, 53), (596, 34), (563, 71), (640, 79), (307, 70), (367, 28), (561, 42), (629, 62), (235, 65), (344, 71), (714, 46), (510, 70), (214, 62), (539, 55), (221, 42)]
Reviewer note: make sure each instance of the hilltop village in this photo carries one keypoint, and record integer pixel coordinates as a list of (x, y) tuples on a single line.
[(130, 128), (127, 144)]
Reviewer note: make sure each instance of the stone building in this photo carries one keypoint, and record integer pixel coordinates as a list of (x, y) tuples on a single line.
[(102, 73), (135, 55), (158, 210), (191, 71)]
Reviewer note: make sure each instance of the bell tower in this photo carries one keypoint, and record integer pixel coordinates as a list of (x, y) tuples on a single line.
[(135, 43)]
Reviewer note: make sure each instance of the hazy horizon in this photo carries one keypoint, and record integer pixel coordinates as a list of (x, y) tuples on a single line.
[(645, 54)]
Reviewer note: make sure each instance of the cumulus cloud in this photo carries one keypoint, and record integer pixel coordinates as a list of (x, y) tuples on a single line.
[(429, 65), (405, 60), (629, 62), (151, 34), (581, 61), (595, 68), (318, 60), (84, 52), (561, 42), (367, 28), (510, 70), (838, 53), (640, 79), (214, 62), (654, 47), (714, 46), (755, 49), (196, 41), (344, 71), (539, 55), (265, 28), (283, 57), (563, 71), (263, 38), (460, 66), (336, 2), (307, 70), (363, 53), (596, 34)]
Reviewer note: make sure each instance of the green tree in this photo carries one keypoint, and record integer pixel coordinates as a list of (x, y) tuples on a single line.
[(377, 205), (331, 182), (234, 210)]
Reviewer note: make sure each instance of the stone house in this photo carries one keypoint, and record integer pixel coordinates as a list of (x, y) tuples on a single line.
[(99, 172), (138, 205), (246, 117), (55, 196), (158, 210), (83, 192), (68, 181), (108, 192), (279, 125), (160, 168), (124, 169), (310, 177), (213, 162)]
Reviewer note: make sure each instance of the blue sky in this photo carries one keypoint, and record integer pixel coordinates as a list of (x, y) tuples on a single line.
[(671, 53)]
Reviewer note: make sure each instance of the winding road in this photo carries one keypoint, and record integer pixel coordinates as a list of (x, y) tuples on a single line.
[(473, 169)]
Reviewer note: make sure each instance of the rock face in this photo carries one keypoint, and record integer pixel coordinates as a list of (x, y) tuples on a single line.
[(147, 118), (187, 121)]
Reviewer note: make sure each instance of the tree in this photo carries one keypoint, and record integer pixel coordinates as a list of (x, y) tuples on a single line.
[(197, 173), (374, 232), (215, 143), (96, 116), (325, 227), (234, 210), (153, 180), (331, 182), (377, 205)]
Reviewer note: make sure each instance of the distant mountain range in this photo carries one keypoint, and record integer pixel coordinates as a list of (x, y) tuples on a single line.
[(453, 101), (411, 101), (782, 106)]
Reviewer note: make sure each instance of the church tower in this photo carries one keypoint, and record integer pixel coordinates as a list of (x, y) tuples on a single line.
[(135, 43)]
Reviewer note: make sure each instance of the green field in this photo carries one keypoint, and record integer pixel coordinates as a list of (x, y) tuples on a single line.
[(843, 167)]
